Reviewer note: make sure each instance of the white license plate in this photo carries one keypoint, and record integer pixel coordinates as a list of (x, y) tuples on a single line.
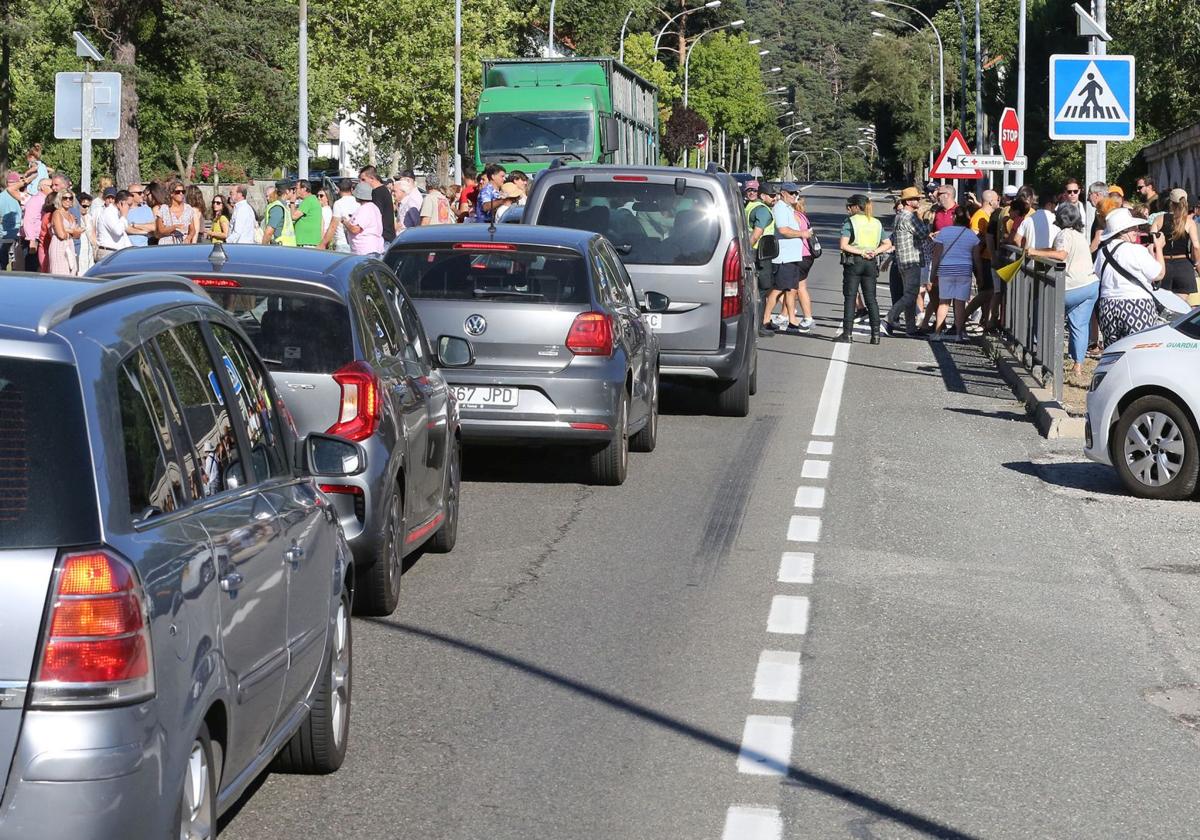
[(654, 319), (486, 396)]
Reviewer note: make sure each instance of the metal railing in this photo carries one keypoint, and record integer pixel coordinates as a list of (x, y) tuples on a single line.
[(1033, 319)]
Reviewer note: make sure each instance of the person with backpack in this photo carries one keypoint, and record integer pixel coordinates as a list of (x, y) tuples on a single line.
[(861, 241), (761, 221)]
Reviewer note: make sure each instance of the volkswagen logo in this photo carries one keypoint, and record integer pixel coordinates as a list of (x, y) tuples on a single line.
[(475, 325)]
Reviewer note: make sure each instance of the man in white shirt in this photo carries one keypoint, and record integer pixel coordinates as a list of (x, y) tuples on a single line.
[(112, 230), (343, 208), (1039, 230), (241, 226)]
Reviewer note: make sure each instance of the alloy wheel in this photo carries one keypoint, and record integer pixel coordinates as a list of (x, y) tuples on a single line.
[(196, 810), (1154, 449), (339, 664)]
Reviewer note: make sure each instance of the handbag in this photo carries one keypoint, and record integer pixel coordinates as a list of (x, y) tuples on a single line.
[(814, 246)]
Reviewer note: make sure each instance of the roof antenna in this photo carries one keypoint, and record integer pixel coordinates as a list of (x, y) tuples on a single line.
[(217, 257)]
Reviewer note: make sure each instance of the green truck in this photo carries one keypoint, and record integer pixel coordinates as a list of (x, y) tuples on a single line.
[(590, 110)]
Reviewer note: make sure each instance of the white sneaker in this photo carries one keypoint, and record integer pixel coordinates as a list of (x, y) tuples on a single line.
[(807, 323)]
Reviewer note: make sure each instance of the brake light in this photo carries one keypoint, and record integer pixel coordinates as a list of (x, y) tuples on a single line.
[(591, 334), (731, 282), (360, 411), (341, 489), (637, 178), (96, 648), (484, 246), (217, 282)]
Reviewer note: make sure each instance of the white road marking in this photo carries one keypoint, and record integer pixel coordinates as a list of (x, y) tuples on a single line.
[(810, 497), (796, 567), (815, 469), (804, 529), (831, 392), (820, 447), (746, 823), (789, 615), (778, 676), (766, 746)]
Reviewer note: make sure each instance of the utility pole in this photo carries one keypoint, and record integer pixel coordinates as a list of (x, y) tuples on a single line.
[(457, 89), (1095, 154), (1020, 173), (303, 97), (978, 95)]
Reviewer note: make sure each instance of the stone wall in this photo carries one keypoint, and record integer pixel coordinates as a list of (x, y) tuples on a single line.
[(1174, 161)]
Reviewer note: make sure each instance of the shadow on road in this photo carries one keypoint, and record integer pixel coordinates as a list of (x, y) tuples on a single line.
[(992, 415), (524, 465), (795, 775), (1073, 475)]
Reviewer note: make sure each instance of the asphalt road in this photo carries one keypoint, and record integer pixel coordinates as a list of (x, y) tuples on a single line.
[(995, 641)]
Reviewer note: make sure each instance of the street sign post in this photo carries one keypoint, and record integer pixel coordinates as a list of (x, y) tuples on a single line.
[(1010, 134), (1091, 97), (87, 107), (949, 163), (990, 162)]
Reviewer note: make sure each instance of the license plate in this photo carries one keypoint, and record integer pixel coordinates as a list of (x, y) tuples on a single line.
[(486, 396), (654, 320)]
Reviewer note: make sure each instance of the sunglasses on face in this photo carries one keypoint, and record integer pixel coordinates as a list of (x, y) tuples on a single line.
[(136, 192), (85, 206), (1072, 192), (176, 192)]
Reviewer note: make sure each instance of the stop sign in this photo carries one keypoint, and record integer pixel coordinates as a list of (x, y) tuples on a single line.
[(1010, 134)]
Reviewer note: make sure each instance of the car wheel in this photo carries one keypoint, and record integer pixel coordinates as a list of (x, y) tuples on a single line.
[(610, 465), (733, 400), (198, 799), (381, 590), (646, 439), (319, 745), (1154, 449), (443, 541)]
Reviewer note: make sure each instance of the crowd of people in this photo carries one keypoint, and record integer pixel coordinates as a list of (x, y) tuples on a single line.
[(946, 259), (46, 226)]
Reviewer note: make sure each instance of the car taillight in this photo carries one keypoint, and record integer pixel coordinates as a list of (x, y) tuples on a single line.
[(358, 416), (731, 282), (96, 646), (591, 334)]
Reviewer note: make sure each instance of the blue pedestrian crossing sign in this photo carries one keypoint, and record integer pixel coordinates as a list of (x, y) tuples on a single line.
[(1091, 97)]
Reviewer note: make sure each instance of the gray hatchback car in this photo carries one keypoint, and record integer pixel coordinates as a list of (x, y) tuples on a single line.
[(174, 589), (681, 232)]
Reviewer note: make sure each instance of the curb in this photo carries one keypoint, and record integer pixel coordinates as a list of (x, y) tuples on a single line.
[(1052, 419)]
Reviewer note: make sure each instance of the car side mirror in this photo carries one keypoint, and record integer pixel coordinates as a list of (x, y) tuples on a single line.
[(331, 456), (454, 352), (655, 302)]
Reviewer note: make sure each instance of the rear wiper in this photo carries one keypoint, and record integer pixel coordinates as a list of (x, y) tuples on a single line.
[(493, 293), (509, 157)]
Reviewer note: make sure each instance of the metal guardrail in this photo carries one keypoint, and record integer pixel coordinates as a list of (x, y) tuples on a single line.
[(1033, 319)]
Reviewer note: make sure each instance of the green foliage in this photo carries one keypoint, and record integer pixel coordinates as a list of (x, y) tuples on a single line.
[(640, 57), (725, 83), (593, 27)]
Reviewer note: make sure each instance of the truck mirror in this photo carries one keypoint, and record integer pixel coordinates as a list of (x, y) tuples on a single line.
[(464, 133), (610, 130)]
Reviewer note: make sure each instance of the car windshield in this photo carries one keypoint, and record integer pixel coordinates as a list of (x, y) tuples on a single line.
[(535, 136), (280, 323), (648, 224), (461, 272), (47, 495)]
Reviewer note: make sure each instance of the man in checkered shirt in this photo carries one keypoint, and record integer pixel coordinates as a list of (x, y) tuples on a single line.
[(907, 235)]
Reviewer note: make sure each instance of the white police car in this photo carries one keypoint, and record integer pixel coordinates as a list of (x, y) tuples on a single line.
[(1142, 408)]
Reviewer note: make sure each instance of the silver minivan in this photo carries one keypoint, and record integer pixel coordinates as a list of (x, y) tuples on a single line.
[(680, 232), (175, 590)]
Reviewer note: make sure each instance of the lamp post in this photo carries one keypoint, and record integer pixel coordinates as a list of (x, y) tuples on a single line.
[(687, 59), (807, 164), (457, 87), (941, 61), (625, 23), (550, 32), (841, 167), (303, 90), (712, 4)]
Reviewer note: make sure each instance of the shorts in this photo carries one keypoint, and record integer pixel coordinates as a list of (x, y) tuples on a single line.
[(954, 288), (787, 277), (1180, 277)]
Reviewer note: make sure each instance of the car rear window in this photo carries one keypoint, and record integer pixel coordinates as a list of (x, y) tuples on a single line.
[(461, 272), (292, 331), (648, 224), (47, 493)]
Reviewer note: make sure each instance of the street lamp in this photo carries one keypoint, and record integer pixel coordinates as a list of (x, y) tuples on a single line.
[(625, 23), (687, 59), (550, 36), (712, 4), (754, 41), (786, 114), (774, 70), (841, 168), (941, 58), (761, 53), (931, 92), (457, 86)]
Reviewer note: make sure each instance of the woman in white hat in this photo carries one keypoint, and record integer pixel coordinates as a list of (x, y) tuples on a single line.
[(1129, 263)]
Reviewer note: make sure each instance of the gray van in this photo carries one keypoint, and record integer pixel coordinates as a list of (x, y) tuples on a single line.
[(680, 232)]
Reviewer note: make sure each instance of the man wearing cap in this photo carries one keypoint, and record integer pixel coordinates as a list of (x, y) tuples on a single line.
[(364, 227), (278, 227), (908, 235), (793, 262), (1127, 274), (761, 222), (10, 217)]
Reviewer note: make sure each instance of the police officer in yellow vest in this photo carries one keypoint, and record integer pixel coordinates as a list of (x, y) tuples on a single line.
[(862, 240), (761, 221), (278, 228)]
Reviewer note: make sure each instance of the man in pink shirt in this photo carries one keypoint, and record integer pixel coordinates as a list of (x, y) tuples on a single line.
[(364, 227), (31, 225)]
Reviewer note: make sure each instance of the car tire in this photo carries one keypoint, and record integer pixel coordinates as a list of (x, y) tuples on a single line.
[(319, 745), (197, 812), (444, 540), (610, 465), (733, 400), (380, 591), (1154, 449), (754, 377), (647, 438)]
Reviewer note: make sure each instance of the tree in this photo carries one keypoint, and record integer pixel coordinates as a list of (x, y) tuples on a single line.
[(725, 84), (640, 57), (683, 132)]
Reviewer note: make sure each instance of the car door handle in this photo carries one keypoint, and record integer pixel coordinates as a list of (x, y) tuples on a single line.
[(294, 555), (232, 582)]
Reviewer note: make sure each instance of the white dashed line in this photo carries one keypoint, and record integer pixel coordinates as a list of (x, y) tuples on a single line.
[(796, 567), (815, 469), (766, 746), (820, 447), (804, 529), (831, 392), (810, 497), (789, 615), (747, 823), (778, 676)]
